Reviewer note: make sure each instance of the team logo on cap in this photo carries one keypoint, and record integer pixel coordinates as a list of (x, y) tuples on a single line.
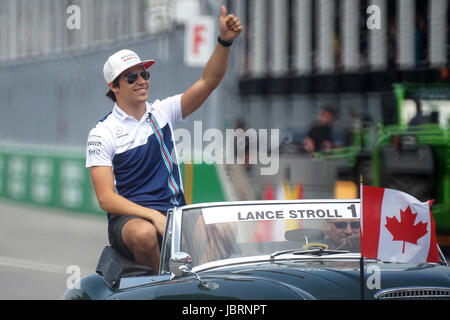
[(128, 58)]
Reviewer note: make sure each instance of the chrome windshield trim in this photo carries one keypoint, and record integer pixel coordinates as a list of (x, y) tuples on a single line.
[(259, 202), (176, 231), (266, 259)]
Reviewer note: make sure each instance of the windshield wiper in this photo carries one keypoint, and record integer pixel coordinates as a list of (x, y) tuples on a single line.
[(315, 251)]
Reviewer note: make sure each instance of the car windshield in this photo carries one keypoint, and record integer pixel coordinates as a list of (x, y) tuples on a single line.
[(215, 233)]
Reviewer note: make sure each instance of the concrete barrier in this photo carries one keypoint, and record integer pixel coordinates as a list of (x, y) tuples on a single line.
[(53, 178)]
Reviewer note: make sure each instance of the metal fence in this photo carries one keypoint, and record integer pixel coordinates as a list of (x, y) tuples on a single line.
[(51, 74), (56, 100), (30, 28), (52, 89)]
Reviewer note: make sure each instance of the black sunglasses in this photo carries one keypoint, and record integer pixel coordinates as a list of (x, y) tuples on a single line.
[(343, 224), (133, 76)]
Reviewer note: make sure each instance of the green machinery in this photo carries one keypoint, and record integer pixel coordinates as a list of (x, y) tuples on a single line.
[(408, 150)]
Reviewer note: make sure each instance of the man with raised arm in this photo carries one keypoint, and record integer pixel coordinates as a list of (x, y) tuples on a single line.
[(129, 152)]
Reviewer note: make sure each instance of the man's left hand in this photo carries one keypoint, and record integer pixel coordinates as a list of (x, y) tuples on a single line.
[(229, 25)]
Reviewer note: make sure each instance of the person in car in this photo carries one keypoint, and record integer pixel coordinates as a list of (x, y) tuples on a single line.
[(133, 169), (343, 234)]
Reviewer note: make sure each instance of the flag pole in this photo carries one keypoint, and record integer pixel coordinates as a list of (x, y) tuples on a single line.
[(361, 259)]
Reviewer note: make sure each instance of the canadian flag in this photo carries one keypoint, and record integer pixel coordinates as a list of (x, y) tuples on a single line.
[(397, 227)]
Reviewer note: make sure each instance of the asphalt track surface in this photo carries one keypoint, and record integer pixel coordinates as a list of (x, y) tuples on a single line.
[(38, 246)]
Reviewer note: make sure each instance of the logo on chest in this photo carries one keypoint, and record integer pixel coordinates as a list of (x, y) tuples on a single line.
[(149, 117), (120, 132)]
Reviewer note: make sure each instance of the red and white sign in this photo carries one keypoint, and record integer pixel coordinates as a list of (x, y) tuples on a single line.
[(199, 41), (397, 227)]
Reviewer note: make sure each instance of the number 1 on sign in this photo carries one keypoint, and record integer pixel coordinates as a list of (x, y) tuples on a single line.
[(353, 209)]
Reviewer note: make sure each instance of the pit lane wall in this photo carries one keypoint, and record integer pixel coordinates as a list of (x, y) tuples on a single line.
[(58, 178)]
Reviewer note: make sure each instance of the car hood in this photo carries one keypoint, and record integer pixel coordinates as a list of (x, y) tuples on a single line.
[(282, 279), (336, 279)]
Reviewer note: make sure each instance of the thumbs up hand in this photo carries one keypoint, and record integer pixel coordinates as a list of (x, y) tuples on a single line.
[(229, 25)]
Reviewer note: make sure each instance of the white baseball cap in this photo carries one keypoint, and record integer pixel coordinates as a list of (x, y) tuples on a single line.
[(120, 61)]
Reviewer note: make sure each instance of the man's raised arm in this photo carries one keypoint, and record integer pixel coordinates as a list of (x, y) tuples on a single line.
[(230, 28)]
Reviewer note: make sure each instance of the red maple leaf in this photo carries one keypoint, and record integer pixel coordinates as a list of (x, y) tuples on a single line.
[(405, 230)]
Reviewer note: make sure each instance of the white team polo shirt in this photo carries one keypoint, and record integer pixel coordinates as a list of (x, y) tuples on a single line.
[(141, 153)]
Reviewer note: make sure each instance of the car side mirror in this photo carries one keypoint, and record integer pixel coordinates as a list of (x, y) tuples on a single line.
[(180, 264)]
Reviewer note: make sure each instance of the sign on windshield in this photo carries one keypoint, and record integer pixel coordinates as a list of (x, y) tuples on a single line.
[(300, 211)]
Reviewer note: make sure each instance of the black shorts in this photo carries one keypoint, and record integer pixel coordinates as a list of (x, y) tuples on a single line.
[(115, 226)]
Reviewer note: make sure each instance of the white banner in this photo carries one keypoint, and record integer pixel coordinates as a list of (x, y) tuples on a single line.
[(304, 210), (199, 40)]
